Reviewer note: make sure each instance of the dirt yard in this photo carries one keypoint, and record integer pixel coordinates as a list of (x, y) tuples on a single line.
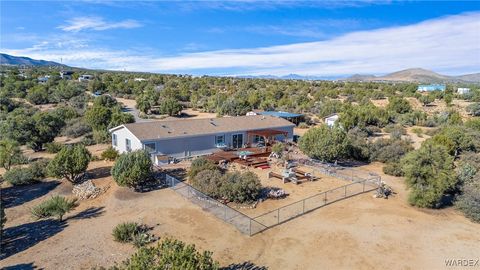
[(358, 233)]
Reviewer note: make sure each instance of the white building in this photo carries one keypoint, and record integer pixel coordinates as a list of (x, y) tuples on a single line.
[(139, 79), (463, 91), (86, 77), (331, 119)]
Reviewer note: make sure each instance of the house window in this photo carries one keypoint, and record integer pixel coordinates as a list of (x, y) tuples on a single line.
[(128, 145), (257, 139), (220, 139), (114, 139), (150, 147)]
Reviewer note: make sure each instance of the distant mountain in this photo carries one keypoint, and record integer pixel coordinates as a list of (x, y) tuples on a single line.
[(416, 75), (6, 59)]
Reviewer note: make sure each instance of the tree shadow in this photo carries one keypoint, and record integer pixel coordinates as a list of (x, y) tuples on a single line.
[(244, 266), (100, 172), (21, 266), (91, 212), (17, 195), (19, 238)]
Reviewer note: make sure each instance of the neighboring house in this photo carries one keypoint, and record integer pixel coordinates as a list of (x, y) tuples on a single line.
[(139, 79), (331, 119), (43, 79), (66, 75), (431, 87), (292, 117), (463, 91), (86, 77), (195, 137)]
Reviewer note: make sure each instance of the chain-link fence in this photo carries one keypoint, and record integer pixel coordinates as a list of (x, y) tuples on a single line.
[(229, 215)]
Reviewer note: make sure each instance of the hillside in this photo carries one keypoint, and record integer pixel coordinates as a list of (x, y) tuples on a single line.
[(417, 75), (6, 59)]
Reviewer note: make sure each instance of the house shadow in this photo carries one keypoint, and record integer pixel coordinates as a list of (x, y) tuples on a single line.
[(21, 266), (19, 238), (17, 195), (88, 213), (99, 172), (244, 266)]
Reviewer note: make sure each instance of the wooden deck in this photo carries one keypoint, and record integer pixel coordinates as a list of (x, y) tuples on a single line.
[(232, 155)]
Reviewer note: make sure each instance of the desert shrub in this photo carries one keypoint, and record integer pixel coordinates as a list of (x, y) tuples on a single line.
[(418, 131), (110, 154), (398, 105), (358, 144), (200, 164), (389, 150), (10, 154), (20, 176), (241, 187), (469, 200), (53, 147), (101, 136), (473, 123), (76, 128), (278, 148), (455, 138), (429, 174), (70, 163), (393, 168), (396, 131), (88, 140), (474, 109), (303, 125), (324, 143), (372, 130), (132, 169), (132, 232), (170, 254), (56, 206), (39, 168), (208, 182)]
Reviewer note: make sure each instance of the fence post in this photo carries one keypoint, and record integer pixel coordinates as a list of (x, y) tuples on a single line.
[(325, 201), (226, 213), (303, 212)]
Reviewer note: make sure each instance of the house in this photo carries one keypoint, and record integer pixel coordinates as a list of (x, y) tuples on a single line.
[(431, 87), (463, 91), (331, 119), (195, 137), (292, 117), (43, 79), (139, 79), (85, 77), (66, 75)]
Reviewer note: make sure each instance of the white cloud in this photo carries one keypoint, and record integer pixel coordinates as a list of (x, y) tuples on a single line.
[(96, 23), (449, 44)]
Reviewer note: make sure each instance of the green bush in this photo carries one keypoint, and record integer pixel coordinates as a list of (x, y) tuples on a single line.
[(469, 201), (110, 154), (131, 169), (278, 148), (132, 232), (53, 147), (20, 176), (39, 168), (393, 168), (70, 163), (241, 187), (200, 164), (208, 182), (389, 150), (324, 143), (170, 254), (76, 128), (56, 206), (429, 174)]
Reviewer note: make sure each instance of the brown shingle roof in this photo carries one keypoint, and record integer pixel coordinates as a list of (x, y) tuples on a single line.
[(192, 127)]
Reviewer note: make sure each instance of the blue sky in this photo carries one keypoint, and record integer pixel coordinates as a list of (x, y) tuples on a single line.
[(327, 38)]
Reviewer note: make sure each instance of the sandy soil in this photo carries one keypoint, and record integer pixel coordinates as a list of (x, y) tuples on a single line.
[(358, 233)]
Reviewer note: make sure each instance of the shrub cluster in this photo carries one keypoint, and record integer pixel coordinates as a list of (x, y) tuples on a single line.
[(27, 175), (53, 147), (110, 154), (56, 206), (132, 169), (132, 232)]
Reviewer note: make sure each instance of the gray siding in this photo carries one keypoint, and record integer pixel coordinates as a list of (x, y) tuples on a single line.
[(184, 146)]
